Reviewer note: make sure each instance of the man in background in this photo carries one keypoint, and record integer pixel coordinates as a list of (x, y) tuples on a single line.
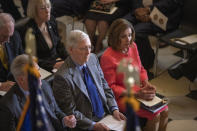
[(11, 105), (10, 47)]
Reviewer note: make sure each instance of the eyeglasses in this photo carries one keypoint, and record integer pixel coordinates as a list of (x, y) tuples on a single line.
[(89, 48), (43, 7)]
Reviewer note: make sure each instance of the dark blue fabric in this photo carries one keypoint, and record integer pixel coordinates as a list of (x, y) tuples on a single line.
[(132, 119), (97, 104)]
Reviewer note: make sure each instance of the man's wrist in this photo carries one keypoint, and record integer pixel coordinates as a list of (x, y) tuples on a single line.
[(92, 126)]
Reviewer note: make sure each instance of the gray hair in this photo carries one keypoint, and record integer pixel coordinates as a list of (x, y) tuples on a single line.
[(18, 64), (6, 18), (33, 5), (75, 37)]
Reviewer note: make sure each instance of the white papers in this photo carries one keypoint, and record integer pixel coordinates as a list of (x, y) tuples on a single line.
[(153, 102), (188, 39), (147, 2), (112, 123), (44, 73), (158, 18), (179, 42), (2, 93), (111, 11)]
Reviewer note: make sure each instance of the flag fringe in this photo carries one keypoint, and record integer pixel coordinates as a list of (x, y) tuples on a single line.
[(132, 101), (22, 117)]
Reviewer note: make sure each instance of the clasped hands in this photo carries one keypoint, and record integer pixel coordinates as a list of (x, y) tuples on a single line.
[(142, 14), (147, 91), (70, 121)]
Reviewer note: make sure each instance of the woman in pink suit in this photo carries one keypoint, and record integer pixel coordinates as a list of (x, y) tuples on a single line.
[(121, 45)]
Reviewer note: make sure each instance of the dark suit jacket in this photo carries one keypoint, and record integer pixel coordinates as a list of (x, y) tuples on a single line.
[(171, 8), (46, 56), (71, 94), (11, 106), (13, 49)]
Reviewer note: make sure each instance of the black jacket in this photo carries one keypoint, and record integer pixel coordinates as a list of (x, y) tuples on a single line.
[(13, 49), (46, 56)]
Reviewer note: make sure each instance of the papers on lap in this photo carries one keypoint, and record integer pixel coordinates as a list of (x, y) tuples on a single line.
[(112, 123), (158, 18), (44, 73), (156, 104), (153, 102), (190, 39), (98, 7)]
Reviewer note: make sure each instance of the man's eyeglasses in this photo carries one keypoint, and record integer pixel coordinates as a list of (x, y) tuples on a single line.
[(89, 48)]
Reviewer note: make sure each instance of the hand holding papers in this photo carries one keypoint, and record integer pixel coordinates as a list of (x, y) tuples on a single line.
[(106, 8), (158, 18), (112, 123), (157, 103), (44, 73)]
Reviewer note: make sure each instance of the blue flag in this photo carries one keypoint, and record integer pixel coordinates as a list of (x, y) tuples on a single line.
[(132, 119), (34, 116)]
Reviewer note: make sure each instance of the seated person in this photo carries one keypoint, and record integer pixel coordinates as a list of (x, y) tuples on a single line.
[(187, 69), (140, 18), (11, 105), (50, 51), (79, 86), (101, 21), (10, 47), (70, 7), (121, 45)]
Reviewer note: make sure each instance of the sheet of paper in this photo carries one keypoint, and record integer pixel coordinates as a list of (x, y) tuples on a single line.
[(111, 12), (189, 39), (112, 123), (2, 93), (153, 102), (147, 2), (44, 73), (158, 18)]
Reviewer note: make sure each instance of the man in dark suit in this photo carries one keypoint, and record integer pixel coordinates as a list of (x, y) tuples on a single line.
[(75, 95), (11, 105), (140, 18), (10, 47)]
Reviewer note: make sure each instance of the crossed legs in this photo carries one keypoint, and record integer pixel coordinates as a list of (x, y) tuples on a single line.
[(102, 30), (159, 122)]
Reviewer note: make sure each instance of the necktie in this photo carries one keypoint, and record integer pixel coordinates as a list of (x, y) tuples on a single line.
[(3, 57), (97, 104)]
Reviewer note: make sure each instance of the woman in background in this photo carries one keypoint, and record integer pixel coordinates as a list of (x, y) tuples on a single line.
[(50, 51), (101, 21), (121, 45)]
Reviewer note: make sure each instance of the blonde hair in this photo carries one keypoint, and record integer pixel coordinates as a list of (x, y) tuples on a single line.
[(33, 5)]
